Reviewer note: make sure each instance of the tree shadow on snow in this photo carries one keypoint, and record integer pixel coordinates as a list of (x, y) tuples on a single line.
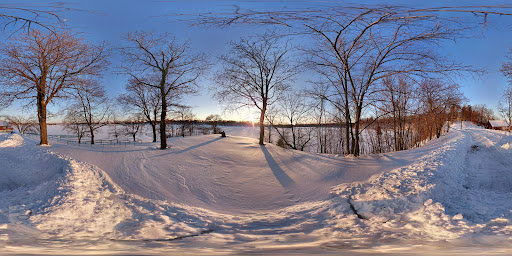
[(189, 148), (197, 146), (280, 175)]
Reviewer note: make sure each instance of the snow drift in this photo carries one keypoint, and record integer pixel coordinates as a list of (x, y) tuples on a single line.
[(45, 196)]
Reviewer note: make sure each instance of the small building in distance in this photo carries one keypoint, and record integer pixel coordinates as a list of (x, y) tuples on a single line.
[(497, 125), (5, 127)]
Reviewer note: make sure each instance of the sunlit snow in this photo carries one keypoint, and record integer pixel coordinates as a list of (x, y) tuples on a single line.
[(208, 195)]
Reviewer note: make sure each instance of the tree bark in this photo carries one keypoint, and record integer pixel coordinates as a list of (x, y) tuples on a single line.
[(41, 115), (355, 146), (262, 119), (41, 109), (163, 114), (153, 127), (347, 123)]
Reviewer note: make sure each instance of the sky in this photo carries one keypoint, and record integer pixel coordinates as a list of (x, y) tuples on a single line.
[(108, 20)]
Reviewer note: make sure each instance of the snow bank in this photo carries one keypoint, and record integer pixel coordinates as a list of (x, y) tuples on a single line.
[(507, 146), (459, 192), (399, 204), (21, 165), (46, 196), (14, 140)]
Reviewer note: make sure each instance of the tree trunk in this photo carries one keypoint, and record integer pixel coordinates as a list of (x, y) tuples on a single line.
[(262, 119), (163, 114), (153, 127), (43, 128), (355, 140), (269, 134), (41, 116), (347, 124), (92, 136), (163, 137)]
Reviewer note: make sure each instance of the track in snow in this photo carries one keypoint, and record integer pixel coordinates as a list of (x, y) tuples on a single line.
[(488, 182)]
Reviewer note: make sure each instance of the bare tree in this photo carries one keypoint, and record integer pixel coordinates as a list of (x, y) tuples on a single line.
[(505, 103), (185, 115), (482, 114), (92, 105), (21, 123), (294, 112), (256, 73), (359, 45), (41, 66), (318, 95), (134, 125), (214, 120), (176, 68), (271, 117), (505, 106), (357, 50), (436, 97), (114, 123), (74, 122), (145, 99), (506, 66), (398, 100)]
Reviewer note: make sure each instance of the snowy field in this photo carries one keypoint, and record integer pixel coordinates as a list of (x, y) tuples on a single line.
[(208, 195)]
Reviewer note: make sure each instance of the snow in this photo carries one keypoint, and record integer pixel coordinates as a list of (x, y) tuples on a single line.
[(498, 123), (12, 141), (219, 196)]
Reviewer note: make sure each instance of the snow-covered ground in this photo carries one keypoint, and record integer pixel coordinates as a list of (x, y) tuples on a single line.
[(207, 195)]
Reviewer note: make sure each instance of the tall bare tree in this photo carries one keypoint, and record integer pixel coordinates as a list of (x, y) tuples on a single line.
[(360, 49), (398, 100), (145, 99), (42, 66), (256, 73), (91, 104), (173, 63), (358, 45)]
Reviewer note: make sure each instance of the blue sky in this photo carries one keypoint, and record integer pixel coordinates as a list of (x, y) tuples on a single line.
[(108, 20)]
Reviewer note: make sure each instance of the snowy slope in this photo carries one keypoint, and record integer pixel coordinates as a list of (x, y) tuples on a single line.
[(230, 195), (49, 197), (230, 175)]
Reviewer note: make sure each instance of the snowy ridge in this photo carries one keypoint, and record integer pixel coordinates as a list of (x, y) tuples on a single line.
[(401, 200), (13, 141), (433, 199), (66, 199)]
